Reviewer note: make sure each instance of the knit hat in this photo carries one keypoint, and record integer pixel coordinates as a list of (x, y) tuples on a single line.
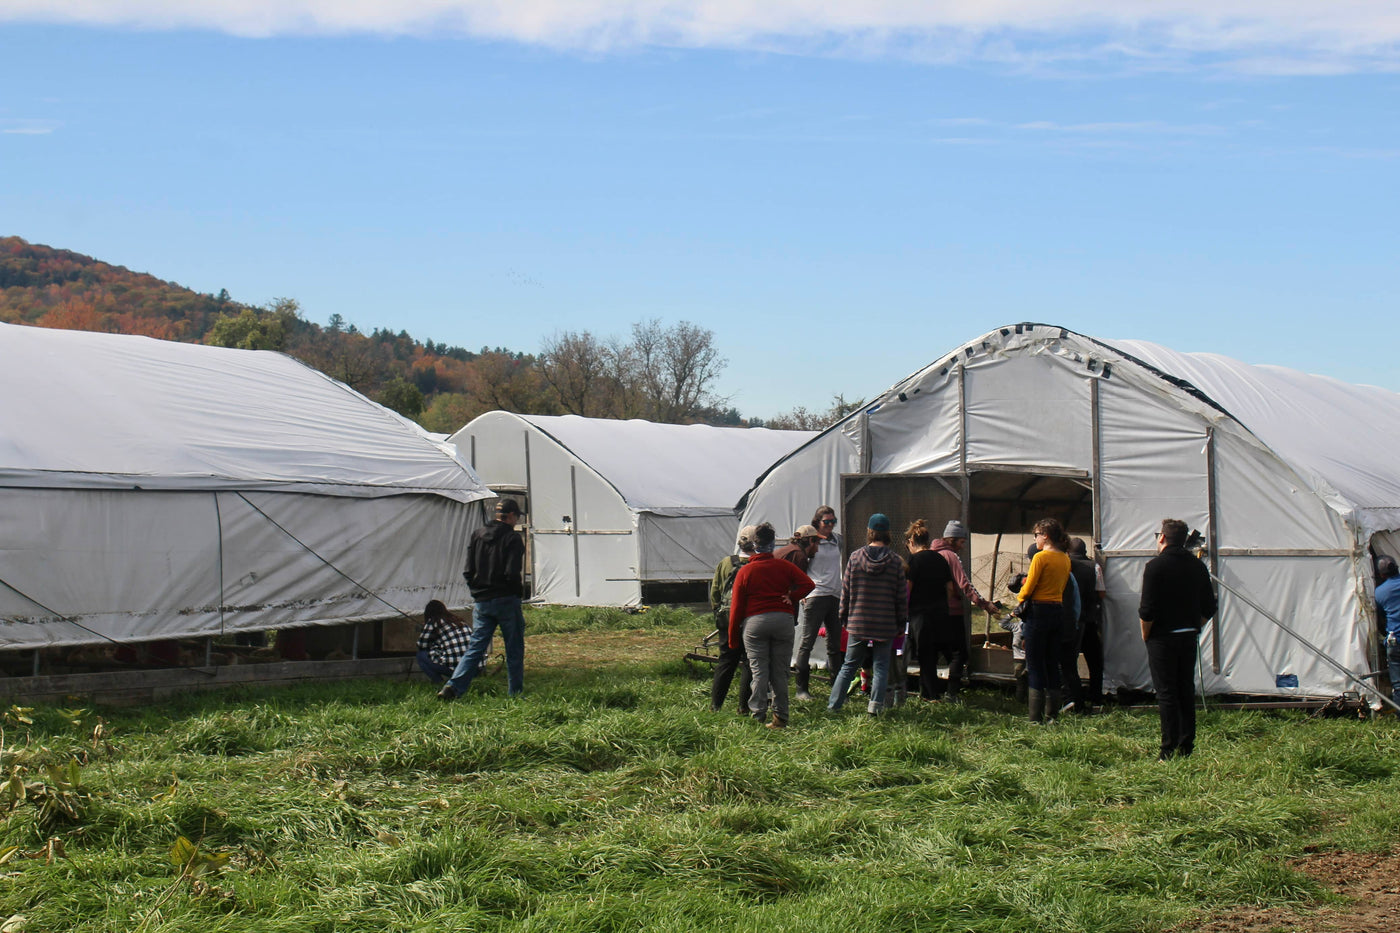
[(954, 529), (878, 522)]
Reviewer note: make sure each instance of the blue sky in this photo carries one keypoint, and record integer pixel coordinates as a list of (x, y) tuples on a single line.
[(839, 200)]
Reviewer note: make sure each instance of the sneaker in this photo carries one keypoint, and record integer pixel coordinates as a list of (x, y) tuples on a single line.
[(804, 696), (447, 693)]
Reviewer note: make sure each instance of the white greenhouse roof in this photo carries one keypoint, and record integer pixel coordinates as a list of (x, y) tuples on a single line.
[(108, 411), (1337, 435), (671, 467)]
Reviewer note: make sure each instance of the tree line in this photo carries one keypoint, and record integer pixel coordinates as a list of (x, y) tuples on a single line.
[(656, 371)]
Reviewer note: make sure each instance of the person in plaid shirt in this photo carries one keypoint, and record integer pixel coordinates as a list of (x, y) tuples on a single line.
[(442, 642)]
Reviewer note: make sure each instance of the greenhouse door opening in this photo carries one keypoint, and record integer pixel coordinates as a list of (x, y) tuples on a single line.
[(999, 506)]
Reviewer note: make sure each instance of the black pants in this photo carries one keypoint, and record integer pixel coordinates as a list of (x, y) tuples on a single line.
[(730, 660), (1069, 665), (939, 637), (1172, 658), (1092, 649)]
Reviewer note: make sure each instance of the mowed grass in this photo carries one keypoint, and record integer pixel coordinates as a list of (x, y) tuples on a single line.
[(610, 798)]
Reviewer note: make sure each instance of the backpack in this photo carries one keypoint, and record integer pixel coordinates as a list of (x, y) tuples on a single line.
[(726, 595)]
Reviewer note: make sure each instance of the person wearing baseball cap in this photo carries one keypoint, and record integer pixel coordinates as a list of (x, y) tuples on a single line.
[(495, 573), (801, 548), (731, 659), (1388, 602)]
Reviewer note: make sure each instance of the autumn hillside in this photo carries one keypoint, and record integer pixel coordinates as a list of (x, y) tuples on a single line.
[(444, 387)]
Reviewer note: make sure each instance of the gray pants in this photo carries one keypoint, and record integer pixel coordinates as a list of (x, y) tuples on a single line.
[(768, 639), (816, 612)]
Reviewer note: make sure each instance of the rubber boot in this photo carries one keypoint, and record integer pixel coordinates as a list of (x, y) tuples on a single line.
[(1036, 698), (1054, 699)]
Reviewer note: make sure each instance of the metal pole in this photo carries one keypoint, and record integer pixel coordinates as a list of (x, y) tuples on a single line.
[(1212, 541), (1314, 648), (355, 642), (530, 511), (36, 662), (1096, 468), (208, 652), (965, 513), (573, 492)]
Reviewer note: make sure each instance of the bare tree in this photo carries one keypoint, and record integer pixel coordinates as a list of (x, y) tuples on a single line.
[(675, 368), (576, 366)]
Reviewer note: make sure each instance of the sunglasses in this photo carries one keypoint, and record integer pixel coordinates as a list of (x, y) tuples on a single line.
[(828, 521)]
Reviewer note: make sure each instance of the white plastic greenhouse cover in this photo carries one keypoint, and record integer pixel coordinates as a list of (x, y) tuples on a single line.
[(106, 411), (1301, 469), (672, 469), (614, 504), (153, 490)]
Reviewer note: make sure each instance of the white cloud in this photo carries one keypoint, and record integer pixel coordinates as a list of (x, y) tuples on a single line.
[(1254, 36), (26, 128)]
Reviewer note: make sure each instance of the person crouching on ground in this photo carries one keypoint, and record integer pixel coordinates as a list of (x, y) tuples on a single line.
[(874, 609), (762, 615), (442, 642), (1044, 591)]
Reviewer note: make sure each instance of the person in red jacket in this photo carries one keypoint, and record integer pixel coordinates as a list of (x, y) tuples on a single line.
[(762, 613)]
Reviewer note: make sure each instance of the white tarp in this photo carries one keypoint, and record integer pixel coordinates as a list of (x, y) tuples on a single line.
[(1300, 478), (158, 490), (611, 504)]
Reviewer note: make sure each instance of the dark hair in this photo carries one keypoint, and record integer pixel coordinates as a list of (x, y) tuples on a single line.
[(764, 536), (822, 510), (1054, 532), (434, 610), (918, 533), (877, 537), (1078, 548), (508, 506), (1175, 531)]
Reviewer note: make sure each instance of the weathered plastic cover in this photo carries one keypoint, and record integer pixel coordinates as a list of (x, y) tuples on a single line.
[(106, 411)]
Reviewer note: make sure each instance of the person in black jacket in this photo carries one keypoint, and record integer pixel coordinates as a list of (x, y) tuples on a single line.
[(1177, 601), (495, 564), (1076, 638)]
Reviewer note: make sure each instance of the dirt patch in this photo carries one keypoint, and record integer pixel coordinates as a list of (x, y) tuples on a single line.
[(1370, 883)]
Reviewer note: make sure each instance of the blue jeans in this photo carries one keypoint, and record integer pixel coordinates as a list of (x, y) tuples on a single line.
[(1041, 632), (436, 672), (1392, 654), (858, 655), (503, 612)]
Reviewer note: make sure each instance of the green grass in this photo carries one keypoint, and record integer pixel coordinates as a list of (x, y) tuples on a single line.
[(610, 798)]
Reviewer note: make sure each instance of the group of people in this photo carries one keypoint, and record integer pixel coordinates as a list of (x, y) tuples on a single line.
[(769, 600)]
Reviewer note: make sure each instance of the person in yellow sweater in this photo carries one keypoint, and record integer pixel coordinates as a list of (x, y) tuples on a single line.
[(1042, 595)]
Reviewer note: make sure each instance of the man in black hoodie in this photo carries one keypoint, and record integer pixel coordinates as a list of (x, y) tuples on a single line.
[(495, 560), (1177, 601)]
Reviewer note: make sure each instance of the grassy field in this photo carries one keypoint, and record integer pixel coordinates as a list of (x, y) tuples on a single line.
[(610, 798)]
